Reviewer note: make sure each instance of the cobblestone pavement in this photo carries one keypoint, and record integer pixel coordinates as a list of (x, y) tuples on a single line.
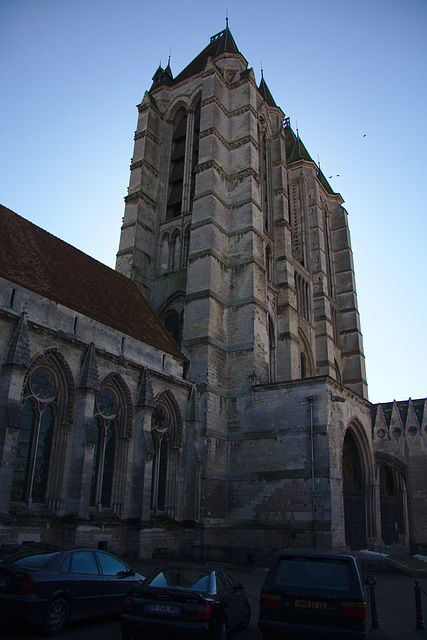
[(394, 597)]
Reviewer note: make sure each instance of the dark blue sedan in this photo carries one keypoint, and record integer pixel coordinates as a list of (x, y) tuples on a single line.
[(185, 601), (50, 586)]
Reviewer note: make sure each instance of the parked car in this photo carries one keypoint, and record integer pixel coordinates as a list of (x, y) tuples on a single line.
[(319, 595), (185, 601), (52, 585)]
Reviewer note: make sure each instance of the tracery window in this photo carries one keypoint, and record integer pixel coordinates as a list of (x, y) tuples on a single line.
[(108, 418), (46, 395), (166, 426), (35, 438)]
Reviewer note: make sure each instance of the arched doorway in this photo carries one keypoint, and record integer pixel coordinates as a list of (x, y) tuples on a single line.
[(393, 502), (354, 494)]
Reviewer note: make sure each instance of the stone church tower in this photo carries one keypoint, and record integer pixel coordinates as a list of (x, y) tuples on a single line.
[(242, 248)]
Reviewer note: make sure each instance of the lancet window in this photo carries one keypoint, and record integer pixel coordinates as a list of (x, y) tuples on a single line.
[(46, 398), (109, 448), (177, 165), (166, 426)]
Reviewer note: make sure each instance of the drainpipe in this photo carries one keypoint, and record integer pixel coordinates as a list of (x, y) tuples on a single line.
[(310, 399)]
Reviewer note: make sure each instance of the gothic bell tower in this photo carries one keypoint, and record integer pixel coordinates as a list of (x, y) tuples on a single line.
[(236, 239)]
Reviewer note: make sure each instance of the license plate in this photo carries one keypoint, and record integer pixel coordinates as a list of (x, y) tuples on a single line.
[(311, 604), (163, 608)]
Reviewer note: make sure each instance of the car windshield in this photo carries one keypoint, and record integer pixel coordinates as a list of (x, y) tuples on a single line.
[(313, 573), (29, 557), (181, 578)]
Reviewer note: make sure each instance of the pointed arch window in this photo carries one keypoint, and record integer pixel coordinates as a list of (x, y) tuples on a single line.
[(31, 473), (175, 251), (195, 152), (186, 247), (177, 163), (164, 253), (173, 324), (269, 262), (107, 407), (272, 352), (166, 428)]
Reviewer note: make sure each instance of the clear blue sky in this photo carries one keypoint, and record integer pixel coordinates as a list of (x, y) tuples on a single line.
[(351, 75)]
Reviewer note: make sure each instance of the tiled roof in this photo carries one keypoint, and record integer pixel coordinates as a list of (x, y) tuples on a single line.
[(37, 260)]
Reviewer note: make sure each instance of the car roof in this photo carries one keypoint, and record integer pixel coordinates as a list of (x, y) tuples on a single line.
[(314, 553)]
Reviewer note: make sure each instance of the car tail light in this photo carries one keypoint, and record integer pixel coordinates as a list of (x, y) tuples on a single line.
[(356, 610), (127, 604), (270, 602), (203, 612), (25, 586)]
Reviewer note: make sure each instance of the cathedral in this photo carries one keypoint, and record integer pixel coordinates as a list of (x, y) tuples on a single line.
[(210, 392)]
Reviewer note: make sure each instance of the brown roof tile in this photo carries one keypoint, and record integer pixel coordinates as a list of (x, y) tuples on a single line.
[(37, 260)]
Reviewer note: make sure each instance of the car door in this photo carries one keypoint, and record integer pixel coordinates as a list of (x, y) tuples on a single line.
[(117, 580), (86, 583)]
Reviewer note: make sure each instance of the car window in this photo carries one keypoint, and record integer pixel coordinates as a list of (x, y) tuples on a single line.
[(84, 562), (65, 567), (221, 583), (31, 558), (109, 564), (180, 578), (313, 573)]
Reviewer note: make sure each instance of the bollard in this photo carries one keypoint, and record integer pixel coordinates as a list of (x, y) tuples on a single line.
[(418, 608), (371, 582)]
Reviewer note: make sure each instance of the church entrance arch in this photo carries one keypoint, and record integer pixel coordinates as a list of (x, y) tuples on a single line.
[(354, 492)]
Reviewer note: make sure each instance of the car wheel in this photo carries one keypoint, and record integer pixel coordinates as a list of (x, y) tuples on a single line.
[(56, 617), (246, 617), (222, 635)]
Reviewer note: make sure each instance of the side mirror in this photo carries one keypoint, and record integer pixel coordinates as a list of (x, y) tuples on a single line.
[(371, 581)]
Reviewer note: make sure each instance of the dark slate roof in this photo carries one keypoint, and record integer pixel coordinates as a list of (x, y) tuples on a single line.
[(37, 260), (324, 182), (265, 92), (295, 149), (222, 42), (419, 406), (403, 408)]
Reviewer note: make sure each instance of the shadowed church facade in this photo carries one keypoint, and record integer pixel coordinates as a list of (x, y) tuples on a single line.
[(252, 426)]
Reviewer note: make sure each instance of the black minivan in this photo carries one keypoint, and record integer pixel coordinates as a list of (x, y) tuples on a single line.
[(313, 594)]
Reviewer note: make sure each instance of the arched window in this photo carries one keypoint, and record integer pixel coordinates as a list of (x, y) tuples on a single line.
[(271, 352), (109, 454), (195, 154), (35, 438), (173, 324), (186, 247), (46, 397), (265, 176), (177, 162), (164, 253), (269, 263), (175, 251), (166, 427), (303, 365)]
